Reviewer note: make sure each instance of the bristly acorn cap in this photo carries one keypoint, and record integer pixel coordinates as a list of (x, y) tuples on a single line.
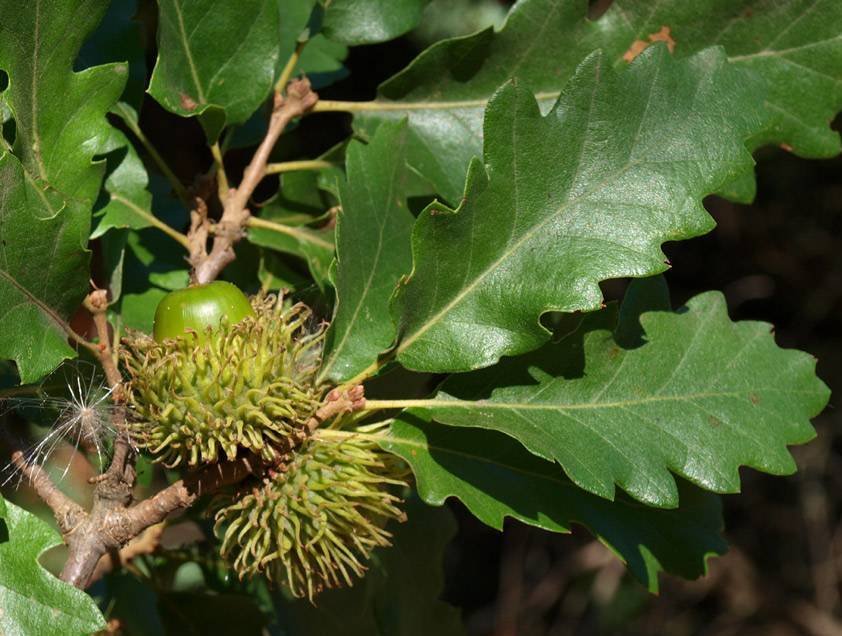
[(314, 525), (249, 385)]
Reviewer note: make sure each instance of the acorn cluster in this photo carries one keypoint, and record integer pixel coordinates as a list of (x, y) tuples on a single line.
[(225, 376), (314, 525), (205, 396)]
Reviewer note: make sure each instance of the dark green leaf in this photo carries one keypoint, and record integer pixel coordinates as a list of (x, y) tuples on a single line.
[(495, 477), (216, 57), (369, 21), (586, 193), (372, 252), (32, 601), (44, 271), (791, 47), (49, 187), (701, 397), (794, 46)]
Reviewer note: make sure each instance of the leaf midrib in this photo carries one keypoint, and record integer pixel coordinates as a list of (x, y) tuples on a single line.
[(48, 311), (42, 170), (190, 63), (434, 403), (513, 248)]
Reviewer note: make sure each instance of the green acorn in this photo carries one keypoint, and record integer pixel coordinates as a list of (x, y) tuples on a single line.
[(314, 525), (224, 376), (199, 307)]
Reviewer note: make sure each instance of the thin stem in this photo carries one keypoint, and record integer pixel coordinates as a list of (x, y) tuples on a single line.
[(179, 188), (122, 467), (295, 232), (154, 221), (106, 358), (25, 389), (292, 166), (292, 62), (375, 426), (385, 105), (298, 99), (115, 340), (221, 177), (67, 512)]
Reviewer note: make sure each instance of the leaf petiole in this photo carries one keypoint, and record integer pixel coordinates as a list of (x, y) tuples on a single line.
[(293, 166), (257, 222), (130, 121), (154, 221)]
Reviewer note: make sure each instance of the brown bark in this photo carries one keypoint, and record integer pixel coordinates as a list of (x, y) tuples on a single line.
[(230, 228)]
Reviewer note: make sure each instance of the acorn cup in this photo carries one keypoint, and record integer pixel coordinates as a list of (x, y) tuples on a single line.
[(223, 377), (203, 395), (314, 525)]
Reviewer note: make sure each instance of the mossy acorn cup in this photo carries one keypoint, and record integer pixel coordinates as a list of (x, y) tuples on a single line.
[(222, 374)]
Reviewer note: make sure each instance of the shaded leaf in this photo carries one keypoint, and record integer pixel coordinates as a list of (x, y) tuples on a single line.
[(133, 604), (32, 601), (372, 252), (113, 256), (118, 39), (126, 184), (321, 59), (298, 204), (586, 193), (701, 397), (198, 613), (495, 477), (275, 275)]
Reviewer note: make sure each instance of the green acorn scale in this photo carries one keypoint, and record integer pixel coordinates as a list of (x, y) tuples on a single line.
[(222, 374)]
